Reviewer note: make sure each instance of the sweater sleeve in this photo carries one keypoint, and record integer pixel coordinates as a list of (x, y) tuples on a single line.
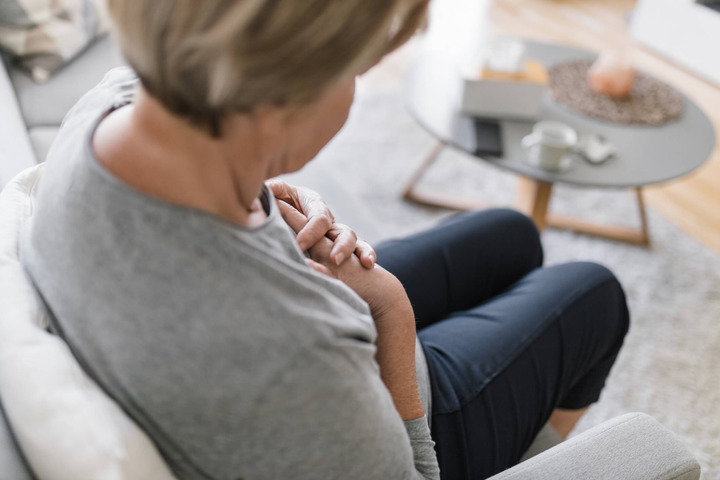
[(423, 448), (328, 415)]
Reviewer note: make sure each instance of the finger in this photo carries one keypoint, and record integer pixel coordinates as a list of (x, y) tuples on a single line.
[(313, 231), (312, 204), (292, 217), (317, 211), (366, 253), (309, 203), (285, 192), (344, 243), (318, 267)]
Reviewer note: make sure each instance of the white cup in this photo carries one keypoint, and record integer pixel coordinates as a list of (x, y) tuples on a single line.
[(548, 145)]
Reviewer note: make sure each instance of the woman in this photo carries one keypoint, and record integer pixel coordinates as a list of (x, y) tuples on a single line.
[(179, 283)]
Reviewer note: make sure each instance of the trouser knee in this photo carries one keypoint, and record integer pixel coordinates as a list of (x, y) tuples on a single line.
[(612, 296), (517, 232)]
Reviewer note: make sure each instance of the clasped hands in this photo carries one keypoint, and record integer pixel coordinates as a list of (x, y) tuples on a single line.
[(308, 215), (336, 251), (334, 248)]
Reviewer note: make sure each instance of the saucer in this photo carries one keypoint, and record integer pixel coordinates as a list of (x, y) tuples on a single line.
[(563, 166)]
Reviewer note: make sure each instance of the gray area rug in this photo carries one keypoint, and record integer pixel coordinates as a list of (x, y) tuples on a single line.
[(670, 364)]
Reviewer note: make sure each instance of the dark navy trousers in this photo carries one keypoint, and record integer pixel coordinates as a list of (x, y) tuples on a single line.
[(506, 340)]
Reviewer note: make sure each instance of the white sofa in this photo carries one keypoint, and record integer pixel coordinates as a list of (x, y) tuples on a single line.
[(630, 447), (30, 114)]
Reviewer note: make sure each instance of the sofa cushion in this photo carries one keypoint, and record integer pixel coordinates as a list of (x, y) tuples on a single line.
[(46, 104), (41, 139), (12, 464), (16, 153), (66, 426), (43, 35)]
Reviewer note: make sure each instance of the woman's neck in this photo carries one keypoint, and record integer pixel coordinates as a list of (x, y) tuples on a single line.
[(164, 156)]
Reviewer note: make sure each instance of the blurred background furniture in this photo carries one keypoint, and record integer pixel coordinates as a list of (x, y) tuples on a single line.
[(646, 155), (692, 202)]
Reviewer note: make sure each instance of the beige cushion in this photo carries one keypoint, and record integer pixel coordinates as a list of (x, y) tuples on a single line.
[(42, 35)]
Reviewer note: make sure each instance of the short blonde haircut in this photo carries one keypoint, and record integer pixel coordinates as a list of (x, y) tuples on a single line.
[(203, 59)]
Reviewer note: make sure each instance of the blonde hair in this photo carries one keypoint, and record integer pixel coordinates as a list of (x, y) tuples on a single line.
[(203, 59)]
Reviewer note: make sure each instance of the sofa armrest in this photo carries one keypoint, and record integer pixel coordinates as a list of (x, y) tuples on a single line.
[(16, 153), (633, 446), (12, 462)]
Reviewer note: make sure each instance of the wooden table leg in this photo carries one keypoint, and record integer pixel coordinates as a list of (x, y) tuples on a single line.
[(533, 198), (431, 198), (610, 232), (417, 174), (644, 231)]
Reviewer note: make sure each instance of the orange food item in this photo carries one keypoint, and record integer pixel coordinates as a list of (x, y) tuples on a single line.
[(612, 75)]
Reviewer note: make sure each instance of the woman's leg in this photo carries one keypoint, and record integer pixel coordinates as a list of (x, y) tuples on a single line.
[(463, 261), (499, 370)]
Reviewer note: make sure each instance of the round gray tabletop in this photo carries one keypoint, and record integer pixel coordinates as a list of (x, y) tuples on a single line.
[(645, 154)]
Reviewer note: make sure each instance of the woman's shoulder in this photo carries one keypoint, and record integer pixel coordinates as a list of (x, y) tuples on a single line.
[(115, 89), (70, 150)]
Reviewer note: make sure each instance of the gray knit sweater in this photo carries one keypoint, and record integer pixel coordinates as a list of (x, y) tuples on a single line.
[(237, 359)]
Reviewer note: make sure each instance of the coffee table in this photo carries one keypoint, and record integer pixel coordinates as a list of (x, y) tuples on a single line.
[(646, 155)]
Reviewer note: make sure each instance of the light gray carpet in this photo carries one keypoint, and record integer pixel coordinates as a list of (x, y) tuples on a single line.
[(670, 365)]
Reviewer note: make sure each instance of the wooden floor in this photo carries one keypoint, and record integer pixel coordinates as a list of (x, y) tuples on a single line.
[(693, 203)]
